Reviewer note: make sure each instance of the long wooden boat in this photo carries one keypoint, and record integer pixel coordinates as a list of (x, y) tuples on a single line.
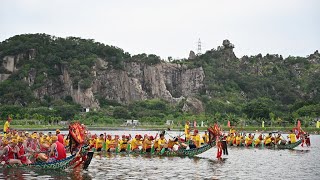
[(214, 133), (79, 152), (273, 146), (179, 152), (69, 162)]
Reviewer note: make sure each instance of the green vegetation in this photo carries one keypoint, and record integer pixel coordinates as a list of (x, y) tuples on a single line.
[(245, 91)]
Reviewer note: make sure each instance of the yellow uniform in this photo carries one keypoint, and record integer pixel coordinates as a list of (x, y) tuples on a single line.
[(248, 141), (123, 144), (292, 138), (257, 141), (161, 141), (99, 143), (196, 140), (135, 143), (6, 126), (238, 139), (267, 140), (205, 138)]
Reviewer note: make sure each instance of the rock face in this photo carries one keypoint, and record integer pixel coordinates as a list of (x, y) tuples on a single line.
[(193, 105), (134, 82), (192, 55), (139, 81)]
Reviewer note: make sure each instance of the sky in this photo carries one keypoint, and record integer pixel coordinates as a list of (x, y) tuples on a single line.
[(172, 27)]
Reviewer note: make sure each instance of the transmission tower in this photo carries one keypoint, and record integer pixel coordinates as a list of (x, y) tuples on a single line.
[(199, 48)]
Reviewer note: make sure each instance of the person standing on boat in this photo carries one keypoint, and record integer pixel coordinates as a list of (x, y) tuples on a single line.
[(57, 152), (187, 130), (6, 127), (60, 136), (292, 137), (307, 139), (224, 145)]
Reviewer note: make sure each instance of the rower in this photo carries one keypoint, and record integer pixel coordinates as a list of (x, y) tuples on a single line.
[(238, 140), (58, 151), (148, 143), (258, 141), (249, 139), (10, 153), (99, 143), (22, 154), (136, 143), (195, 143), (292, 137), (162, 143), (268, 140), (123, 143), (278, 139), (205, 137)]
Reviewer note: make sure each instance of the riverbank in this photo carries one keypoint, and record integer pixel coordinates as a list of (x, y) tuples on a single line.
[(105, 127)]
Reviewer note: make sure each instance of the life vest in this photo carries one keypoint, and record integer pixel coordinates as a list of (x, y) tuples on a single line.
[(10, 153), (21, 151), (60, 138)]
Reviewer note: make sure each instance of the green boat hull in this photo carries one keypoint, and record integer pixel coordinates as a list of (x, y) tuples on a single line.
[(61, 164), (273, 146)]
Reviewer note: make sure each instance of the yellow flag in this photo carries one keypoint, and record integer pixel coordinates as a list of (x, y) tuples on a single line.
[(318, 124), (263, 124)]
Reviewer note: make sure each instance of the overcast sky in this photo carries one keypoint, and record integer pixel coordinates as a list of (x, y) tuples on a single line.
[(172, 27)]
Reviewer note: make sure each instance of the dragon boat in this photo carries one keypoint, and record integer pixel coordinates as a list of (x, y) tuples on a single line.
[(273, 146), (214, 134), (80, 154), (180, 152)]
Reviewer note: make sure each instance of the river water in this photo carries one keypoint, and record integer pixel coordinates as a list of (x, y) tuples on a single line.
[(241, 163)]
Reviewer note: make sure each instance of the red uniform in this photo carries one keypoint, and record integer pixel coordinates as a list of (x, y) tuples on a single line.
[(60, 152), (60, 138), (22, 158)]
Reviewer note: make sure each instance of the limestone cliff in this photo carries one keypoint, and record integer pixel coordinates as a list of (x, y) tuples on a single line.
[(135, 82)]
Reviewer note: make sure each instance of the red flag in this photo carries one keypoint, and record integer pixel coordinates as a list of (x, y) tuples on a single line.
[(229, 124), (194, 123)]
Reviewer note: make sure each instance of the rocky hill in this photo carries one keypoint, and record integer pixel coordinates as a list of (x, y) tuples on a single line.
[(39, 69)]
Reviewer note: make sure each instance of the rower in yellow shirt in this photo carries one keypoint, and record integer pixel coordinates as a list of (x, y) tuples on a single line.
[(249, 140), (257, 142), (196, 138), (238, 140), (205, 138), (292, 137), (123, 143), (136, 143), (268, 140), (99, 143), (162, 143)]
